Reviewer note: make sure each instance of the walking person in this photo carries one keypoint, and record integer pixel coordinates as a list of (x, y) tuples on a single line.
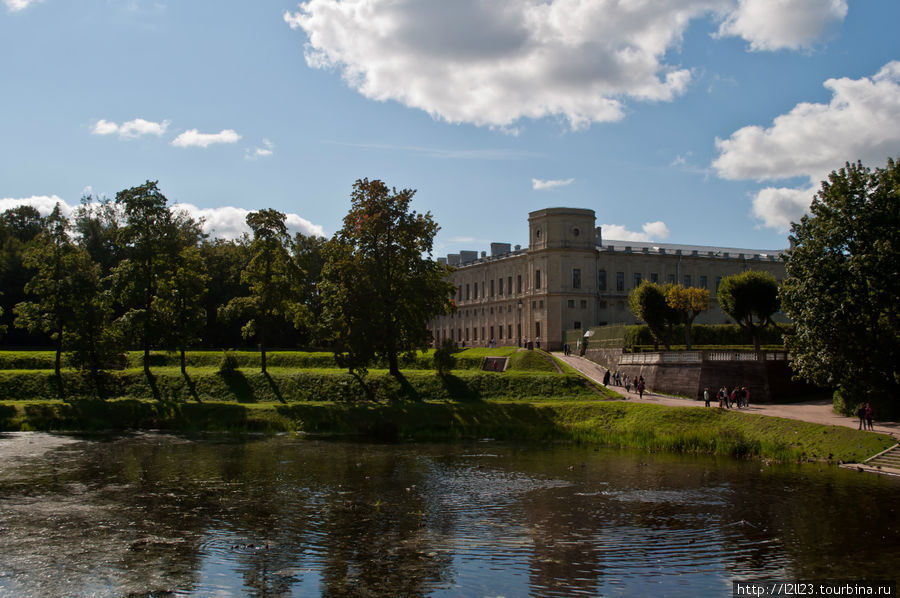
[(706, 396), (861, 414), (640, 387), (869, 415), (606, 377)]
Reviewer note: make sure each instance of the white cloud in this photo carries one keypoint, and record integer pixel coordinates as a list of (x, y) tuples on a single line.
[(17, 5), (260, 152), (651, 231), (194, 138), (43, 203), (780, 24), (131, 129), (778, 207), (230, 223), (862, 122), (225, 222), (493, 63), (541, 185)]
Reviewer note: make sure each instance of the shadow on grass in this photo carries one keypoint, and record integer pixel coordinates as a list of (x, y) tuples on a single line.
[(458, 390), (239, 386), (274, 386), (192, 387), (7, 416)]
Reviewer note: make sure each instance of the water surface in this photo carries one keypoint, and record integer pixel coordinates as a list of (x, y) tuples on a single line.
[(279, 516)]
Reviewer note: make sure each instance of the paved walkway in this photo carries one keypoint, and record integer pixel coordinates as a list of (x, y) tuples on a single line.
[(817, 412)]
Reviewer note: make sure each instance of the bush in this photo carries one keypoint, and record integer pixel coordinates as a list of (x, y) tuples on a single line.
[(229, 363), (443, 358)]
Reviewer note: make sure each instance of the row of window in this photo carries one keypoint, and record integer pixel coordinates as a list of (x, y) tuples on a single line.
[(687, 280), (471, 290), (487, 333)]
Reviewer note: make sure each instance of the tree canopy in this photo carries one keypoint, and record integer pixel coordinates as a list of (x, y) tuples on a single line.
[(748, 295), (843, 282), (648, 303), (380, 285), (687, 302)]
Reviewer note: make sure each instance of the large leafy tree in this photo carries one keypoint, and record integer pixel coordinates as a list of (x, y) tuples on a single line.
[(19, 227), (181, 299), (273, 279), (648, 303), (55, 260), (308, 251), (842, 285), (151, 240), (380, 285), (751, 298), (687, 302)]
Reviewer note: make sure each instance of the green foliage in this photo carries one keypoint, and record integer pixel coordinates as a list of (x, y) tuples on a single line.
[(443, 358), (687, 303), (378, 292), (273, 279), (748, 295), (648, 303), (229, 364), (533, 361), (842, 284)]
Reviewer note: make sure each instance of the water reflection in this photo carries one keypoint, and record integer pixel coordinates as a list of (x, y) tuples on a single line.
[(275, 516)]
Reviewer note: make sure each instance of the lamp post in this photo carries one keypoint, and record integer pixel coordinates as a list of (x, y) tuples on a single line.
[(519, 324)]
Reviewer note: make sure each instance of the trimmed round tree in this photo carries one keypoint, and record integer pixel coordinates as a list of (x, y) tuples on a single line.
[(751, 299)]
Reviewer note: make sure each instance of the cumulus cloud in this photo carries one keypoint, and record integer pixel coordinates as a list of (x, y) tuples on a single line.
[(542, 185), (17, 5), (782, 24), (651, 231), (131, 129), (861, 122), (225, 222), (493, 63), (228, 222), (194, 138), (43, 203)]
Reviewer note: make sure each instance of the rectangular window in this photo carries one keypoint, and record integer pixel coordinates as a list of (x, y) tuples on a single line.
[(718, 280), (670, 279), (601, 280), (492, 333), (571, 303), (577, 325), (519, 283), (603, 305), (475, 334), (509, 331), (702, 282), (537, 279), (509, 290), (576, 278), (537, 330), (492, 287), (687, 280), (541, 304), (459, 334), (637, 280), (533, 304), (483, 337), (500, 332), (620, 281), (467, 334), (654, 277), (584, 304), (476, 291), (467, 292)]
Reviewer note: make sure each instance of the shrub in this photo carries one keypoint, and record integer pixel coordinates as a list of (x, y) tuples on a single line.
[(229, 363)]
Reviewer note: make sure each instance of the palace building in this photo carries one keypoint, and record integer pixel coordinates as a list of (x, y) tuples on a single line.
[(569, 277)]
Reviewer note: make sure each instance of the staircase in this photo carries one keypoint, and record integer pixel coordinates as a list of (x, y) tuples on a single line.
[(886, 462)]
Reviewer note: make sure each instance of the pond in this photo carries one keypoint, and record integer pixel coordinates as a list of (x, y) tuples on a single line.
[(162, 515)]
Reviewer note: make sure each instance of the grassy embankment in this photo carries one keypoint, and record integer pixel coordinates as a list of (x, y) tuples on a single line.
[(304, 392)]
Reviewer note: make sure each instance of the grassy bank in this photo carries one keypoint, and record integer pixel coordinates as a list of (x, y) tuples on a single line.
[(593, 422)]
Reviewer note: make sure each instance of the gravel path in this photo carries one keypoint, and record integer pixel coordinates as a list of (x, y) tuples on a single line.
[(817, 412)]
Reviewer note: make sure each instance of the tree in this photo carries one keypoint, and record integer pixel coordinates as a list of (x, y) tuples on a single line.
[(380, 285), (747, 295), (52, 255), (842, 283), (308, 251), (180, 301), (648, 303), (151, 241), (687, 303), (273, 280), (18, 228)]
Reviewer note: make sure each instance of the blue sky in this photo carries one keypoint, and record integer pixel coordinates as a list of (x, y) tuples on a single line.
[(696, 121)]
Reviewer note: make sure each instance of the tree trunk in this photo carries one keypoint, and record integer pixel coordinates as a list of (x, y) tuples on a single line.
[(56, 363), (147, 360), (262, 349), (183, 368), (393, 365), (687, 333)]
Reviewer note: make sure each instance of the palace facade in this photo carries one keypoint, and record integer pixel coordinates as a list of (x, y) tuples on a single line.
[(569, 277)]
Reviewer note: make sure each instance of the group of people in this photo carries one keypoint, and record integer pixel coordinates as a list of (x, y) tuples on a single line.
[(865, 413), (623, 380), (738, 397)]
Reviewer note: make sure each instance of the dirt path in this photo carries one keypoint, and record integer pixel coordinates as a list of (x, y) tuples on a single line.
[(817, 412)]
